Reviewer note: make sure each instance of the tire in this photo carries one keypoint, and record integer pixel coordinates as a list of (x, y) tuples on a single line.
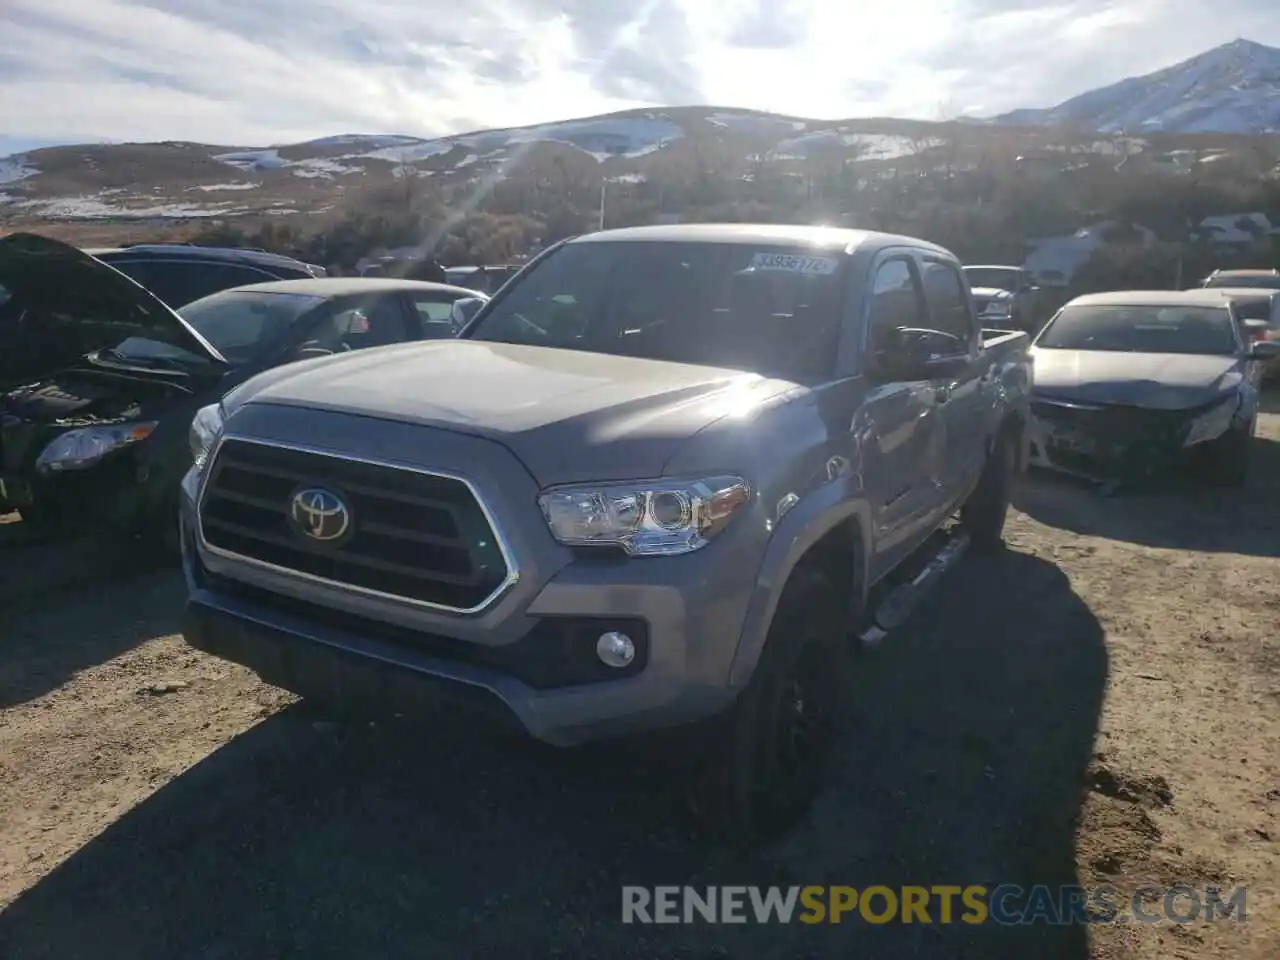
[(983, 514), (769, 756), (42, 522), (1229, 459)]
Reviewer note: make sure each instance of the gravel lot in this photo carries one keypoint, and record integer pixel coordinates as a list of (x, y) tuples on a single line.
[(1099, 704)]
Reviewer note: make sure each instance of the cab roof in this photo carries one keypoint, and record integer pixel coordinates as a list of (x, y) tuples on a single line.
[(825, 238)]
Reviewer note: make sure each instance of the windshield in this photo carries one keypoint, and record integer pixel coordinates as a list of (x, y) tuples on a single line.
[(1252, 308), (1264, 282), (1140, 328), (998, 277), (239, 323), (767, 309)]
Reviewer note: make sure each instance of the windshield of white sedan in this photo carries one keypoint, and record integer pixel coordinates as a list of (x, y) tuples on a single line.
[(239, 323), (768, 309), (1143, 329)]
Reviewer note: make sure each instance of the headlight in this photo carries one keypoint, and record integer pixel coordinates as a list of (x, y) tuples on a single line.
[(206, 426), (650, 518), (997, 308), (85, 446), (1213, 423)]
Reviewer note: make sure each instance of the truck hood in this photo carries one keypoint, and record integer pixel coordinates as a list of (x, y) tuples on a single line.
[(568, 415), (58, 303), (1155, 381)]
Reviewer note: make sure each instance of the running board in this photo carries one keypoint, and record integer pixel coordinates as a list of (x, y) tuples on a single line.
[(897, 605)]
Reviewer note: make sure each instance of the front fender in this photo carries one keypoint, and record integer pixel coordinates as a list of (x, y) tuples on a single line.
[(812, 518)]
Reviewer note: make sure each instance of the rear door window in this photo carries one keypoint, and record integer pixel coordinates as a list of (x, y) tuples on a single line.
[(178, 282), (948, 306)]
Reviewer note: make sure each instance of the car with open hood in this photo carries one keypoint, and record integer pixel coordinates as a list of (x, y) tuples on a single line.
[(99, 380), (1130, 385)]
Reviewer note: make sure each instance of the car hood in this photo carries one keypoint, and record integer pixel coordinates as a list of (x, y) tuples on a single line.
[(1156, 381), (990, 293), (58, 303), (568, 415)]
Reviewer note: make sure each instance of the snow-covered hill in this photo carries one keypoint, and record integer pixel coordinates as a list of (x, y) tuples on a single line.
[(104, 181), (1234, 88)]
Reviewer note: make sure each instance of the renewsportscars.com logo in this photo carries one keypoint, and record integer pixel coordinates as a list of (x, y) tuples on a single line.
[(1006, 904)]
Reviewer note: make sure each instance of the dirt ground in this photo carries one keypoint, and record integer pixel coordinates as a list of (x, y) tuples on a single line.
[(1100, 704)]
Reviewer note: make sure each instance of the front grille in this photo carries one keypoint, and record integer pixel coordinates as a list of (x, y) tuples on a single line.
[(1115, 423), (1110, 438), (412, 535)]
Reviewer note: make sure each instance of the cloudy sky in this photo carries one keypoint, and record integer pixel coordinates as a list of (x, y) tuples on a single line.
[(267, 71)]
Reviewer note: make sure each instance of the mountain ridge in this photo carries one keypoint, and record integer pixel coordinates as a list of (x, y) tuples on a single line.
[(1231, 88)]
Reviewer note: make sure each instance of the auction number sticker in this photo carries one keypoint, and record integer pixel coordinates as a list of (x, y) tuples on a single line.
[(791, 263)]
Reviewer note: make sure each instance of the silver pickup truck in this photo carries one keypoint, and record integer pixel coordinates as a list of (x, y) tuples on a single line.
[(667, 479)]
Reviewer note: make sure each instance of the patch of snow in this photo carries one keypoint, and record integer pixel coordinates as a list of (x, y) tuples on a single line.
[(253, 160), (755, 125), (326, 169), (868, 146), (466, 161), (609, 137), (13, 169), (92, 208), (875, 146), (205, 187), (366, 140)]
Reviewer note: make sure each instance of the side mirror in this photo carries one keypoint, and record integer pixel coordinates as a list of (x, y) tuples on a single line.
[(1264, 350)]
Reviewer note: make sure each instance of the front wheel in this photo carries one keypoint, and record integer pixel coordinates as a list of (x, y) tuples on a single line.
[(984, 513), (1228, 461), (769, 760)]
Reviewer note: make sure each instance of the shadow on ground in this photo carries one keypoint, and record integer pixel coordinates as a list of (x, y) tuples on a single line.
[(297, 839), (71, 605), (1179, 514)]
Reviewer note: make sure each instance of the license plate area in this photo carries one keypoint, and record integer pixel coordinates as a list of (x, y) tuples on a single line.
[(1072, 441)]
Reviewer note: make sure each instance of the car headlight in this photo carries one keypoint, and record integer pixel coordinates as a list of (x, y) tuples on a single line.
[(1213, 423), (206, 427), (647, 518), (997, 308), (85, 446)]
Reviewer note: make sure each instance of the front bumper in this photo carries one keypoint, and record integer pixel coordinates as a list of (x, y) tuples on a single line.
[(527, 662), (115, 495), (1112, 444)]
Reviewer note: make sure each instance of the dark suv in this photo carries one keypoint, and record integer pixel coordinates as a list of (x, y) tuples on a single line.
[(179, 273)]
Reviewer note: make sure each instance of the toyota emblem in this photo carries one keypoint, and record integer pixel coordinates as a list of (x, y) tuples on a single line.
[(320, 514)]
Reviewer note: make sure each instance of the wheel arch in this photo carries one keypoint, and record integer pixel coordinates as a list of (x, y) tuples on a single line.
[(832, 537)]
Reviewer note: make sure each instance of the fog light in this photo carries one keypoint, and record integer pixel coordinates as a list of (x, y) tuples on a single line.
[(615, 649)]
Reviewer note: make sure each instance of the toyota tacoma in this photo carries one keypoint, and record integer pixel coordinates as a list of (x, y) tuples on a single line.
[(668, 478)]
